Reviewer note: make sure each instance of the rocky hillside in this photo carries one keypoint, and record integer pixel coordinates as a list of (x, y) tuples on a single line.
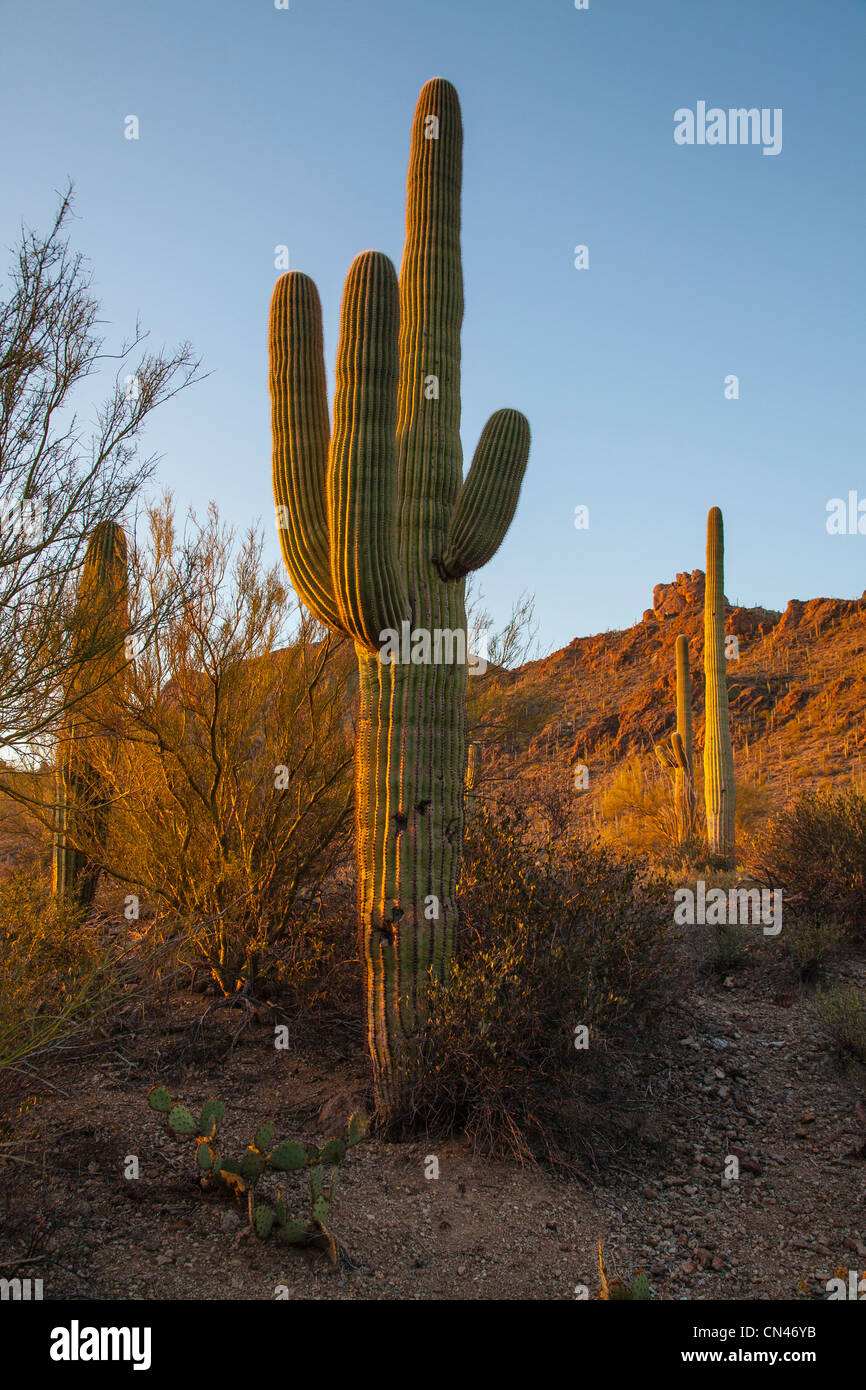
[(796, 687)]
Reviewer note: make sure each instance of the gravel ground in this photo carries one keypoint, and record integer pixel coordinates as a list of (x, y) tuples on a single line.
[(744, 1071)]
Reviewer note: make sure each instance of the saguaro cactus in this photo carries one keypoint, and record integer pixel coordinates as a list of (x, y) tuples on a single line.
[(473, 773), (718, 753), (378, 531), (680, 754), (99, 628), (683, 745)]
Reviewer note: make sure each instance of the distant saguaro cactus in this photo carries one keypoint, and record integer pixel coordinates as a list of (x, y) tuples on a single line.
[(473, 771), (719, 789), (680, 754), (683, 745), (99, 620), (378, 531)]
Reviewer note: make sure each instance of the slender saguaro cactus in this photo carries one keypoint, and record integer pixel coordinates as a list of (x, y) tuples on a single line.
[(683, 746), (473, 771), (378, 531), (680, 754), (718, 753), (99, 628)]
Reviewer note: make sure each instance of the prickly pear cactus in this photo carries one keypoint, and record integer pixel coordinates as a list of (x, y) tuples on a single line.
[(239, 1178)]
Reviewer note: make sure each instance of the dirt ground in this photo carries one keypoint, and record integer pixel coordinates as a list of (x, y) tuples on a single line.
[(744, 1070)]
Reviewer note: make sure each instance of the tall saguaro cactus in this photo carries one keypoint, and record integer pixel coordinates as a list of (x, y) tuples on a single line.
[(378, 531), (99, 627), (718, 752)]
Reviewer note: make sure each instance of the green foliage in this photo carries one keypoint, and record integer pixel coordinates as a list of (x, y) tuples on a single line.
[(239, 1178), (181, 1121), (333, 1151), (288, 1156), (159, 1099), (264, 1136), (357, 1128), (213, 1112)]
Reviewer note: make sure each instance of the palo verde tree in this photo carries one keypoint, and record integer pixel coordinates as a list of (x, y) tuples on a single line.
[(59, 479)]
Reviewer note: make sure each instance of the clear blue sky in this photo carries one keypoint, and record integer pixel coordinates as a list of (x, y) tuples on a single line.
[(260, 127)]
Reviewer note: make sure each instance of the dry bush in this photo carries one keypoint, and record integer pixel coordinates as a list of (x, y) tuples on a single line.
[(637, 809), (59, 477), (556, 932), (58, 977), (225, 756), (815, 849), (843, 1012)]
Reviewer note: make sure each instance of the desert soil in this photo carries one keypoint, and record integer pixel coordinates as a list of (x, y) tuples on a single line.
[(744, 1069)]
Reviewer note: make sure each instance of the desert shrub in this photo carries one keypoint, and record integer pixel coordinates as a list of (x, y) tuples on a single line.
[(637, 809), (815, 848), (843, 1012), (226, 756), (58, 978), (727, 946), (552, 938), (810, 944)]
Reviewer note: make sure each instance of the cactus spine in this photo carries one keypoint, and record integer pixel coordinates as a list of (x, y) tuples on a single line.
[(99, 625), (718, 752), (378, 532)]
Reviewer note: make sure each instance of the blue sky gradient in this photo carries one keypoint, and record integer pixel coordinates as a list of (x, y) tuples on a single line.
[(260, 127)]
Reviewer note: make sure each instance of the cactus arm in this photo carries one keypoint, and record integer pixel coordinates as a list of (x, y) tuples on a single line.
[(682, 762), (301, 431), (487, 500), (368, 582), (431, 313)]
